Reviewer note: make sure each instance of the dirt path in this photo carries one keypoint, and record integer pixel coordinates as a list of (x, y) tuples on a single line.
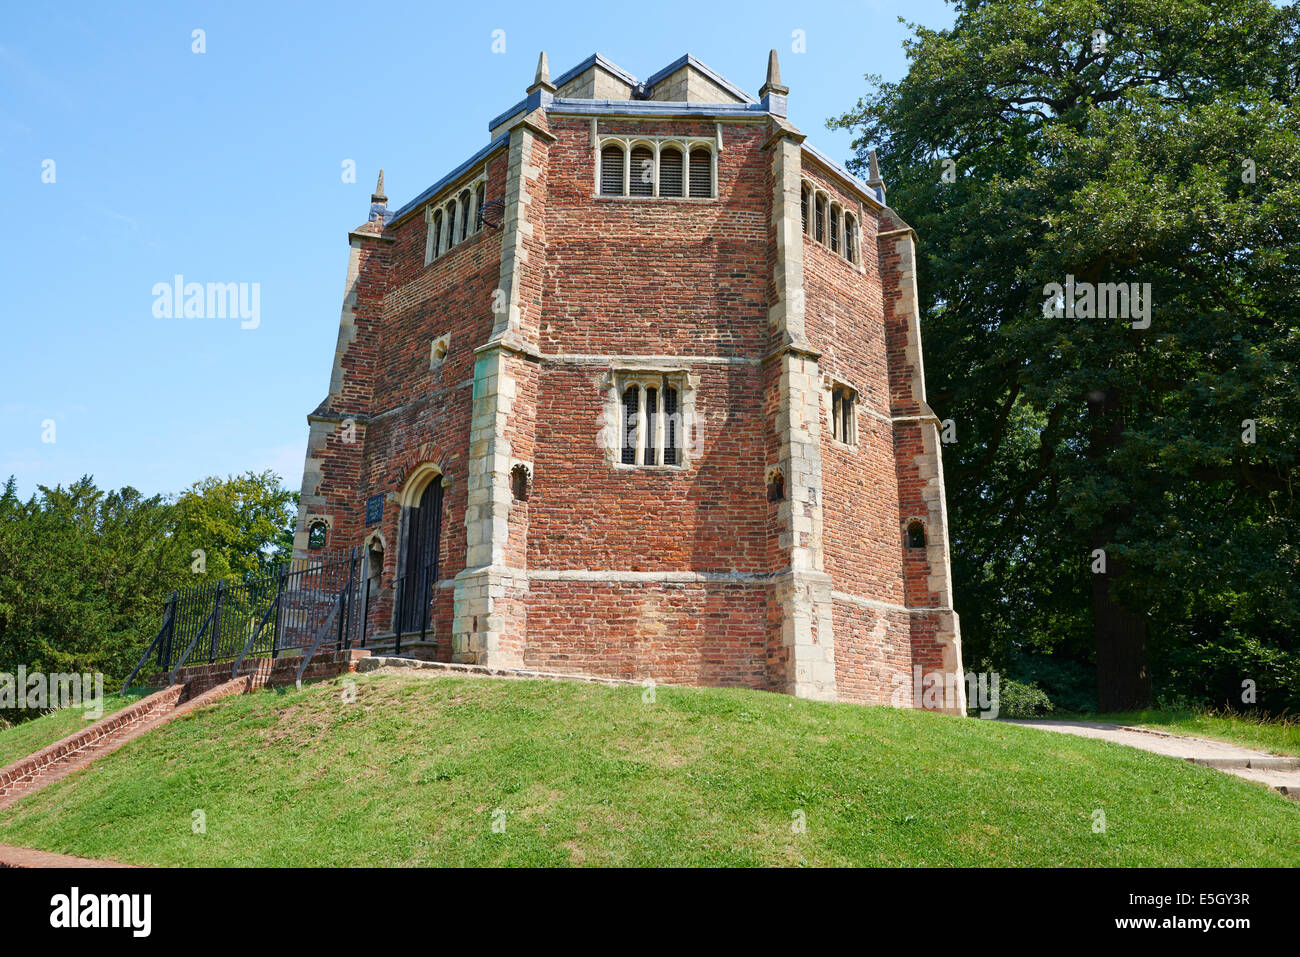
[(1279, 772)]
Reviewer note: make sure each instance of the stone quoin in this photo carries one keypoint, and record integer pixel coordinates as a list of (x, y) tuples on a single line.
[(637, 391)]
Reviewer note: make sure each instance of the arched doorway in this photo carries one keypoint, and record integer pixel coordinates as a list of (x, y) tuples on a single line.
[(420, 553)]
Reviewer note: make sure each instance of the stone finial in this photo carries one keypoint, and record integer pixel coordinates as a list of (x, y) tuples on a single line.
[(773, 82), (378, 195), (542, 81), (873, 172)]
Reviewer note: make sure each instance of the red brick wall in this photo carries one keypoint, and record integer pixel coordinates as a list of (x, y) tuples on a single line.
[(605, 277)]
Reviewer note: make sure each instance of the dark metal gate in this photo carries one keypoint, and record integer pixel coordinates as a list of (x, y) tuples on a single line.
[(421, 550)]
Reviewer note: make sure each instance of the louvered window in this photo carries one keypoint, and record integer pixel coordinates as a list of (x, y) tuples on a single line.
[(670, 171), (631, 416), (672, 426), (701, 174), (642, 179), (651, 427), (803, 209), (850, 238), (835, 229), (611, 171), (653, 433), (450, 220)]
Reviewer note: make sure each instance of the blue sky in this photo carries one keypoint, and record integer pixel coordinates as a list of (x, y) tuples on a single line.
[(226, 166)]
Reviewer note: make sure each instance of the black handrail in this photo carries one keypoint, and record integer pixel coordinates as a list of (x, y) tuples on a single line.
[(169, 621)]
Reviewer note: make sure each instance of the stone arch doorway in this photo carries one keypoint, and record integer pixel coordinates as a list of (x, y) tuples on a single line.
[(420, 551)]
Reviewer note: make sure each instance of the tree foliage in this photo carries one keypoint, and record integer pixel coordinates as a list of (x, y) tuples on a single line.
[(1162, 150), (84, 572)]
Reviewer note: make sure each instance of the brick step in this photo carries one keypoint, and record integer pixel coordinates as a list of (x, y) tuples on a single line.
[(79, 750)]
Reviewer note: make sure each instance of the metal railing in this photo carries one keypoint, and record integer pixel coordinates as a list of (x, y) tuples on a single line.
[(293, 606)]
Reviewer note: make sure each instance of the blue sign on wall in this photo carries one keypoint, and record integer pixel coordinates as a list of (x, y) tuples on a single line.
[(374, 508)]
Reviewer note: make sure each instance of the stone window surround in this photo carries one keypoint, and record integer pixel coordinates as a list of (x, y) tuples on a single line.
[(310, 521), (437, 245), (619, 379), (656, 144), (831, 386), (816, 193)]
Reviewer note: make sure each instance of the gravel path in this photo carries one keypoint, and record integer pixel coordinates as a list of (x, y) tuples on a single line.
[(1280, 772)]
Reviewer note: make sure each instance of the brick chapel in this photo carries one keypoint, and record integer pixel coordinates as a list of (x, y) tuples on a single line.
[(637, 391)]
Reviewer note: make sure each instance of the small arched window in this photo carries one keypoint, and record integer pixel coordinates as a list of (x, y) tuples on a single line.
[(451, 224), (819, 227), (631, 418), (374, 564), (776, 486), (701, 173), (436, 243), (464, 214), (850, 238), (835, 228), (915, 534), (480, 199), (317, 535), (670, 171), (642, 178), (611, 171), (519, 483), (803, 209)]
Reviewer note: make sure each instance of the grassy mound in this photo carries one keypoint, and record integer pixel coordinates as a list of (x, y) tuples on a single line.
[(418, 770)]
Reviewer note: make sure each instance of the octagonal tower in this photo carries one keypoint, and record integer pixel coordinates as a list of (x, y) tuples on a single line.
[(637, 391)]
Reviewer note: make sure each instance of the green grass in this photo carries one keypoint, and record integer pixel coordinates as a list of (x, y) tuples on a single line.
[(1277, 735), (22, 739), (413, 771)]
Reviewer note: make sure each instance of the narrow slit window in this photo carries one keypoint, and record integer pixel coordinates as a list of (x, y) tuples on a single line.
[(672, 426), (835, 229), (643, 172), (803, 209), (436, 236), (850, 238), (631, 414), (464, 214), (819, 228), (480, 199), (701, 173), (843, 400), (651, 426), (449, 220), (670, 172), (611, 171)]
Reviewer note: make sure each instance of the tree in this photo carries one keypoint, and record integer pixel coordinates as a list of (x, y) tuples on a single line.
[(1127, 473), (242, 524), (85, 573)]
